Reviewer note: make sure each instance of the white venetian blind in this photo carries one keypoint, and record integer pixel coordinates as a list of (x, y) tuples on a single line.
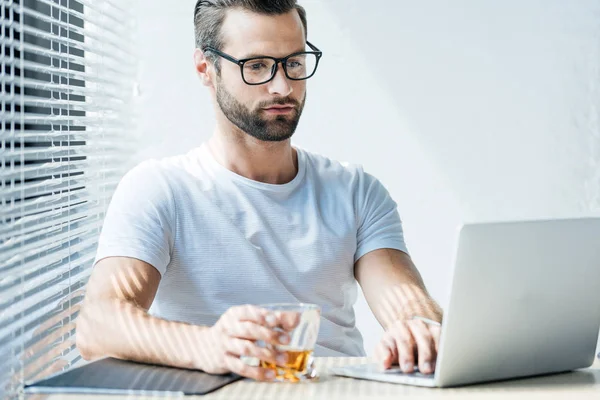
[(66, 136)]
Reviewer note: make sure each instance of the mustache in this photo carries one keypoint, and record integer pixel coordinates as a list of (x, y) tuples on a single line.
[(279, 102)]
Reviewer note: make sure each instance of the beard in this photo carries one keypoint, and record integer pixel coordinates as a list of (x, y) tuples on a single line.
[(281, 128)]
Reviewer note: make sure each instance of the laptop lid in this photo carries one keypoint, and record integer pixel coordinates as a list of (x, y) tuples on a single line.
[(525, 300)]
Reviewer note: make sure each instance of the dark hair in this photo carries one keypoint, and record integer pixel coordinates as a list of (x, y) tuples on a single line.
[(210, 14)]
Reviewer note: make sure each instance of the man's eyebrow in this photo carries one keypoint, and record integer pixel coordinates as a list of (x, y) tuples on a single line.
[(258, 55)]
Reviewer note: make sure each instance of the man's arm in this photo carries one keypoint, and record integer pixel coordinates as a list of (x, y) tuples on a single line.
[(394, 288), (114, 322), (395, 293), (114, 319)]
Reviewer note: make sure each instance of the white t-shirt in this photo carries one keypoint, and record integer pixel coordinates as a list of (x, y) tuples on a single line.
[(219, 239)]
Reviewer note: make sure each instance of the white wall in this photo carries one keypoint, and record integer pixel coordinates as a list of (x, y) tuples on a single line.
[(465, 110)]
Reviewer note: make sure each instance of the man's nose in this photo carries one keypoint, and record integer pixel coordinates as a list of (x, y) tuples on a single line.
[(280, 84)]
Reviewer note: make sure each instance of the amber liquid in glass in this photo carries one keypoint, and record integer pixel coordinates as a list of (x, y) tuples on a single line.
[(293, 368)]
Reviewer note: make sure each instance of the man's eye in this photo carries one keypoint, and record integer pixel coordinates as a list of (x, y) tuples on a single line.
[(256, 66), (294, 64)]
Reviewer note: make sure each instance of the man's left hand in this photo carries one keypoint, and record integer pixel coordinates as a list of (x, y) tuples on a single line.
[(409, 343)]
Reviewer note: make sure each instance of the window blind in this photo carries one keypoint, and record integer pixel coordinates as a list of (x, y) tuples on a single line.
[(67, 132)]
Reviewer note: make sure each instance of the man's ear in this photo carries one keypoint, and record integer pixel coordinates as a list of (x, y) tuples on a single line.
[(203, 67)]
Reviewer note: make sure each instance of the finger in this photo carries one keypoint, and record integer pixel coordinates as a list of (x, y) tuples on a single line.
[(405, 345), (253, 331), (425, 346), (287, 320), (264, 317), (237, 366), (386, 353), (436, 332), (249, 313), (240, 347)]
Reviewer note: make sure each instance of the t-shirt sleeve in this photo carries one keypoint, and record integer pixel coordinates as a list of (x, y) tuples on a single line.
[(139, 220), (379, 224)]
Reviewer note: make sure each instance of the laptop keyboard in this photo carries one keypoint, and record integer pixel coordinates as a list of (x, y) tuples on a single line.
[(398, 371), (394, 375)]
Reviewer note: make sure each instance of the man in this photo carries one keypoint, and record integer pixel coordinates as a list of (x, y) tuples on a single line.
[(192, 243)]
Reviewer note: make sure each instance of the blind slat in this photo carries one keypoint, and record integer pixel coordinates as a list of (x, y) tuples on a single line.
[(36, 307), (104, 67), (88, 219), (49, 153), (53, 240), (113, 105), (108, 29), (93, 6), (55, 315), (34, 284), (108, 34), (64, 88), (67, 43), (64, 185), (47, 170), (39, 135), (50, 185), (44, 221), (23, 265), (105, 79), (11, 243), (70, 43), (36, 295), (43, 203), (8, 337)]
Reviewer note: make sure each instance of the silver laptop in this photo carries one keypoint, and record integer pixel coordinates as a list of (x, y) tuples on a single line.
[(524, 301)]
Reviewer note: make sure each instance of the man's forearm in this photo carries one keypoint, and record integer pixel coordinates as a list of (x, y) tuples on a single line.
[(394, 288), (121, 329)]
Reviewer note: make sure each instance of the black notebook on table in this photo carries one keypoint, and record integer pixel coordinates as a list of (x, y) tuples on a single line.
[(112, 376)]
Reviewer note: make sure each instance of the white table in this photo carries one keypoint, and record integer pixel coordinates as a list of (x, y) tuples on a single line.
[(581, 384)]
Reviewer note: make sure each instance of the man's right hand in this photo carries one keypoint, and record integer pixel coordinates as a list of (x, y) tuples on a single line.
[(235, 334)]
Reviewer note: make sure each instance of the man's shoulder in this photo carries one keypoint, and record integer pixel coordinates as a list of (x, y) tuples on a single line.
[(340, 174), (154, 178), (147, 171), (326, 166), (167, 168)]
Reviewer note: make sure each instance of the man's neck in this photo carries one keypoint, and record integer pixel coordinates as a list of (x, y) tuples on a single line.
[(267, 162)]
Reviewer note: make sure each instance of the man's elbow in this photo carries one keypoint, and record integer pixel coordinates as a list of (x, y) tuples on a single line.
[(83, 349), (87, 338)]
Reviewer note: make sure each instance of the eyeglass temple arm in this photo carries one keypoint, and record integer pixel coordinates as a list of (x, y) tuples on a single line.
[(312, 47), (225, 56)]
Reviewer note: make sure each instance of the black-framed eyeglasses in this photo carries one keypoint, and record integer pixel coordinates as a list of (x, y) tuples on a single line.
[(260, 70)]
